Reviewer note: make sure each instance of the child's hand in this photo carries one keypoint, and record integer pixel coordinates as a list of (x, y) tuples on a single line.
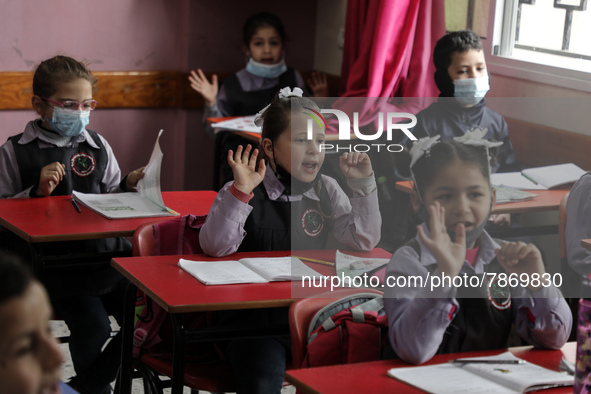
[(355, 165), (500, 219), (199, 83), (318, 84), (450, 255), (133, 178), (243, 165), (51, 175), (521, 258)]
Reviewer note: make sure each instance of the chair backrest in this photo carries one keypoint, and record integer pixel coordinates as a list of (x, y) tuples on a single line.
[(175, 236), (143, 240), (562, 228), (301, 314)]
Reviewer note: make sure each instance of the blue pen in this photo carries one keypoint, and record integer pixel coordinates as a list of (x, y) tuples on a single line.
[(76, 206)]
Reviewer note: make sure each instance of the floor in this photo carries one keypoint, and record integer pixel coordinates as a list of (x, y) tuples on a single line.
[(59, 328)]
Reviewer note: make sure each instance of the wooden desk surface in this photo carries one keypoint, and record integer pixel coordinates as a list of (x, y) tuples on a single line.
[(586, 243), (372, 377), (178, 292), (53, 219), (546, 201)]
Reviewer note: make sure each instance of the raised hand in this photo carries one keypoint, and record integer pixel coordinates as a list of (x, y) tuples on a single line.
[(521, 258), (318, 84), (208, 90), (355, 165), (243, 164), (133, 178), (51, 175), (450, 255)]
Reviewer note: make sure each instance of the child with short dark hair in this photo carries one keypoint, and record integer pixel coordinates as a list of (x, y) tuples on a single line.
[(454, 197), (55, 155), (30, 357), (463, 80)]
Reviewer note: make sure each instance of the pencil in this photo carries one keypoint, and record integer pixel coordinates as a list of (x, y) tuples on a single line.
[(314, 260)]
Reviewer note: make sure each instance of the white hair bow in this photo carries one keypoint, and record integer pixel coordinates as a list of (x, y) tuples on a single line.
[(286, 92), (475, 137), (421, 147)]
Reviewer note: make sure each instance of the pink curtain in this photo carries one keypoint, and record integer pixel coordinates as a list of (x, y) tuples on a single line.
[(388, 48)]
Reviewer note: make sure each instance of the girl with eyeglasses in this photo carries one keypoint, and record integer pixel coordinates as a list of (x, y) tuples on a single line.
[(55, 155)]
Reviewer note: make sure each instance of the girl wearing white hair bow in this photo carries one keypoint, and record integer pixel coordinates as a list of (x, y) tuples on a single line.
[(255, 211), (479, 286), (286, 204)]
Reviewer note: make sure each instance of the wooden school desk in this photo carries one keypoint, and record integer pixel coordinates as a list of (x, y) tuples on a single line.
[(53, 219), (372, 377), (177, 292), (586, 243), (546, 201)]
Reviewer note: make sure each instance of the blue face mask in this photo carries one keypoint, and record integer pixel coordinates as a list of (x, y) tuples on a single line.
[(266, 70), (471, 90), (68, 123)]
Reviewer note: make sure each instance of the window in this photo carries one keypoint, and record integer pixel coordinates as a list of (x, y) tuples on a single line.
[(551, 32), (545, 41)]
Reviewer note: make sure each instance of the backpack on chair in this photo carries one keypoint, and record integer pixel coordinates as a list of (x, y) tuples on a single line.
[(176, 236), (350, 330)]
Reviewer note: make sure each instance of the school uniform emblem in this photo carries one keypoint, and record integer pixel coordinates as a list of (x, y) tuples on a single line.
[(82, 164), (499, 296), (312, 222)]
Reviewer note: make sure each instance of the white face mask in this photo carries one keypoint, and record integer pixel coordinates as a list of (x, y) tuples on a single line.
[(471, 90), (266, 70)]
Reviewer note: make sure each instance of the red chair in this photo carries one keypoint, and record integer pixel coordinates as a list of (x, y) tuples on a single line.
[(212, 376), (301, 314)]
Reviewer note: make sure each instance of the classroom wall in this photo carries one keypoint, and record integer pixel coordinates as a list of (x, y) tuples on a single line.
[(136, 35)]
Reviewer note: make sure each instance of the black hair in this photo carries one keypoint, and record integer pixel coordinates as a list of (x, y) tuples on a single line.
[(56, 70), (262, 19), (15, 277), (443, 153), (457, 41)]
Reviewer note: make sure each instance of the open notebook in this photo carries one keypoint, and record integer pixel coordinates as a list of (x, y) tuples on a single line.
[(539, 178), (147, 202), (248, 270), (492, 376)]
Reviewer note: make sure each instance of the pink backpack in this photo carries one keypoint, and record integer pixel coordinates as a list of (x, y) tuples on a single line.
[(350, 330), (177, 236)]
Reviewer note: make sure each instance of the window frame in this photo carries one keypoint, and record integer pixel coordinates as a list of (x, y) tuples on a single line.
[(541, 73)]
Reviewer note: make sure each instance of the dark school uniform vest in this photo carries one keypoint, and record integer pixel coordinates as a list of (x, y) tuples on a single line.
[(85, 165), (85, 168), (483, 320), (244, 103), (270, 223)]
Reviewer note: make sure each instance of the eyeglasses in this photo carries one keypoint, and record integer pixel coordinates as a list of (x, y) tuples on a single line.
[(72, 105)]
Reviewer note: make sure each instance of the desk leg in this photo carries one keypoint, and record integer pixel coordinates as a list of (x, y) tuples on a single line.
[(123, 385), (178, 361)]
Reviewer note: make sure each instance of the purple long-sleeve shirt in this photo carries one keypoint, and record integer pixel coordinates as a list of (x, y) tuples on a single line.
[(418, 317), (355, 222), (10, 179)]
